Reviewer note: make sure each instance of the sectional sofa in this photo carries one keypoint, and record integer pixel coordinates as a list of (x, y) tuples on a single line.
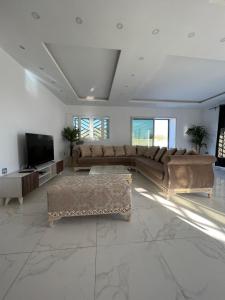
[(175, 171)]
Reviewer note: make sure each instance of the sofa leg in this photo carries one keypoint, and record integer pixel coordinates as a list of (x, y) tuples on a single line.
[(7, 201), (210, 195)]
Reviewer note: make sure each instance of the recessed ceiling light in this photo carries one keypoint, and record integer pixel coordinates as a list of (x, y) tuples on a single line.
[(41, 68), (92, 89), (155, 31), (35, 15), (191, 34), (79, 20), (22, 47), (141, 58), (119, 26), (222, 40), (90, 98)]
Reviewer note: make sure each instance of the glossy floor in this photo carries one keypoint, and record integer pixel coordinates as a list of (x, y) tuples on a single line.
[(171, 249)]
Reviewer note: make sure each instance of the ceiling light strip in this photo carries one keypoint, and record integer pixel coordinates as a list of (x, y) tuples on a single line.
[(114, 73), (176, 101), (59, 69), (163, 100), (210, 98), (92, 100)]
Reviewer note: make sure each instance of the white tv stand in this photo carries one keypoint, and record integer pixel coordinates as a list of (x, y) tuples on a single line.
[(17, 185), (46, 172)]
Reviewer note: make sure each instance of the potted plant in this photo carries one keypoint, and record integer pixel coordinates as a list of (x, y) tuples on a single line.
[(198, 135), (72, 135)]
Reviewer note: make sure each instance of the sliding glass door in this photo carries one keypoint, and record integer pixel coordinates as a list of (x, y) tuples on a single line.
[(142, 132), (149, 132), (161, 132)]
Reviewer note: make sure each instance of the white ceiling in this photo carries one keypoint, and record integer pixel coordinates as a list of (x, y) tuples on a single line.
[(89, 71), (168, 52)]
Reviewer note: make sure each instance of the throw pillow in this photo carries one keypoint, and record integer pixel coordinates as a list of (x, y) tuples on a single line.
[(141, 150), (108, 151), (160, 153), (151, 152), (85, 150), (96, 150), (130, 150), (119, 151), (167, 153)]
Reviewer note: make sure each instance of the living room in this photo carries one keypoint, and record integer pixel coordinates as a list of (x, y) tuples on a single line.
[(112, 153)]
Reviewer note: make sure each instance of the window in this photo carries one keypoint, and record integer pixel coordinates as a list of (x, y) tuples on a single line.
[(94, 128), (157, 132)]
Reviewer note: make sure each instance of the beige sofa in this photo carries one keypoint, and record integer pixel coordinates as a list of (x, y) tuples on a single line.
[(89, 195), (175, 171)]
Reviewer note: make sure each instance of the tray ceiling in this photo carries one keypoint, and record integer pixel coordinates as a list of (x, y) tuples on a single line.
[(128, 53), (90, 71)]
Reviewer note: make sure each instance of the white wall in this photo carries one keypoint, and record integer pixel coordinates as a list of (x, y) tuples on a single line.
[(210, 120), (120, 120), (25, 106)]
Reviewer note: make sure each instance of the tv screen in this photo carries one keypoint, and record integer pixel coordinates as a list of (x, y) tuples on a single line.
[(40, 149)]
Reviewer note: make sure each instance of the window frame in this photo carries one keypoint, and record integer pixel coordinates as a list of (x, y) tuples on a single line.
[(91, 128), (169, 119)]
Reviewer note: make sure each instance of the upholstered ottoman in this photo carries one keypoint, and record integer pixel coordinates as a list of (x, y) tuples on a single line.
[(89, 195)]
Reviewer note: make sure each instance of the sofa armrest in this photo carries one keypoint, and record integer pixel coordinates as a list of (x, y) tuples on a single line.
[(190, 172), (190, 160)]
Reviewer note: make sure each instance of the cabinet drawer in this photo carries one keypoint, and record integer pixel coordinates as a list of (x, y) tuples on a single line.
[(29, 183)]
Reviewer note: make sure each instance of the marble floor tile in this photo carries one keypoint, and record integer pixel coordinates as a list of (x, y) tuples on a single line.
[(126, 272), (114, 230), (10, 266), (143, 200), (217, 201), (27, 209), (56, 275), (164, 252), (166, 224), (20, 233), (69, 233), (198, 266)]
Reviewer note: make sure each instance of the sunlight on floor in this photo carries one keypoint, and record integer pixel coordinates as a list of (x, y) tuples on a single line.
[(197, 215)]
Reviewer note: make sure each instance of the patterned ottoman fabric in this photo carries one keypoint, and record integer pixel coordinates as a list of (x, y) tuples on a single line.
[(89, 195)]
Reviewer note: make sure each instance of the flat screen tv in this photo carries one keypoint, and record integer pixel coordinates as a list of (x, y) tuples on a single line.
[(40, 149)]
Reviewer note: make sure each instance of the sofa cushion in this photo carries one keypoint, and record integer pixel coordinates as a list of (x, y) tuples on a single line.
[(180, 152), (151, 152), (141, 150), (96, 150), (106, 160), (150, 166), (85, 150), (108, 151), (130, 150), (167, 153), (119, 151), (160, 154)]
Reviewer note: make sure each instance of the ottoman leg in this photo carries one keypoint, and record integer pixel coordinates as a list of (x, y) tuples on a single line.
[(51, 221), (127, 215), (51, 224)]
